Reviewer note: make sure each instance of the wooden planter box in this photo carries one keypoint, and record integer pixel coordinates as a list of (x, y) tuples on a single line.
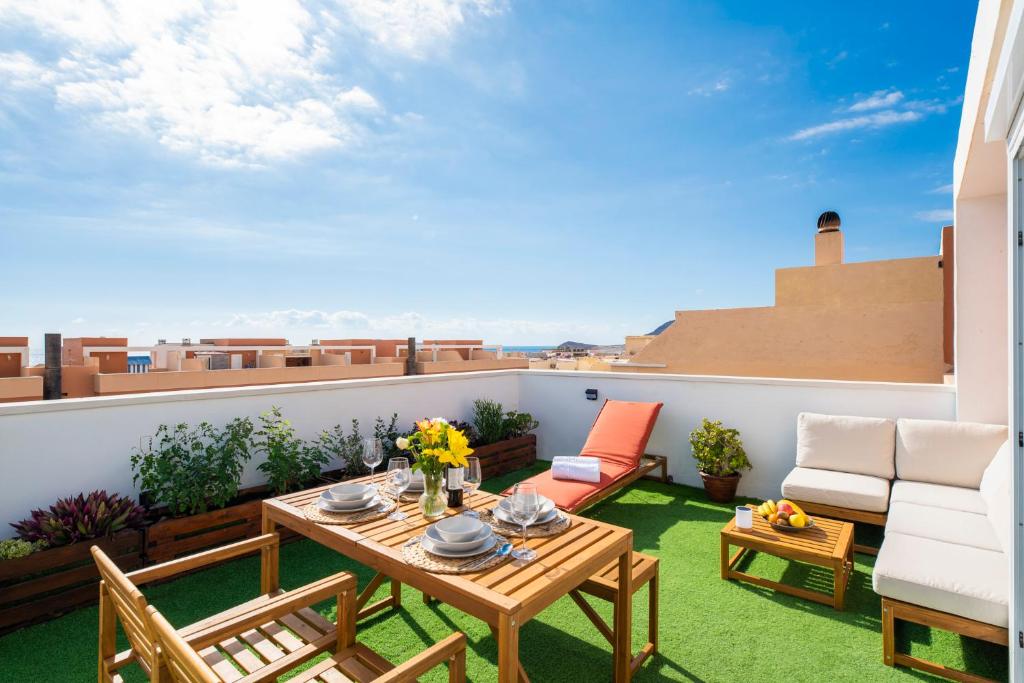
[(51, 582), (503, 457)]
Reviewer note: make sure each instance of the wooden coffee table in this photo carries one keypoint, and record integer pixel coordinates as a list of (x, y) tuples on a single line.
[(828, 544)]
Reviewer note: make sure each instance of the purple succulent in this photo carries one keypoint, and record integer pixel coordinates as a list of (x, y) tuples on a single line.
[(70, 520)]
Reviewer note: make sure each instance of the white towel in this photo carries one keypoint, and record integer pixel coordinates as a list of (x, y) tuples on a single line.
[(578, 468)]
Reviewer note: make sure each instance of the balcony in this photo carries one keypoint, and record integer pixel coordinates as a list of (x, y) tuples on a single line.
[(711, 629)]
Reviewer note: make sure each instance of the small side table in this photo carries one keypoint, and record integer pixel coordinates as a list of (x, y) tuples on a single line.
[(829, 544)]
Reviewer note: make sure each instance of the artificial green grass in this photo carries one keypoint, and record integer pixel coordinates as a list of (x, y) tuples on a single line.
[(711, 630)]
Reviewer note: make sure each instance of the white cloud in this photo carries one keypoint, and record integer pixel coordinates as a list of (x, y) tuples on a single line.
[(717, 86), (346, 322), (880, 99), (942, 189), (840, 57), (230, 82), (880, 119), (945, 215)]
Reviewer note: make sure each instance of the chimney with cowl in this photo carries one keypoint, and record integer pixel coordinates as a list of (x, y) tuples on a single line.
[(828, 243)]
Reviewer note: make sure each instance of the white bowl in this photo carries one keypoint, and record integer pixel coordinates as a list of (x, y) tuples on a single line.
[(476, 540), (458, 529), (546, 506), (347, 504), (351, 491)]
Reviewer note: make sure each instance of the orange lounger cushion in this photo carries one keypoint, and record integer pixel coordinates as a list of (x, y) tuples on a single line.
[(567, 495), (621, 431)]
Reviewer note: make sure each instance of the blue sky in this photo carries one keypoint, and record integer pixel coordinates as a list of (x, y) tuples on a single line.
[(525, 172)]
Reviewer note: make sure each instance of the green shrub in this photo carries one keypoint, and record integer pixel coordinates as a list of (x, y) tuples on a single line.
[(718, 450), (193, 469), (516, 424), (489, 420), (346, 447), (387, 432), (13, 548), (290, 462)]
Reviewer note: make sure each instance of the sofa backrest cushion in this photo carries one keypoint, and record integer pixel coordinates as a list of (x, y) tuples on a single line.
[(942, 452), (621, 431), (995, 491), (844, 443)]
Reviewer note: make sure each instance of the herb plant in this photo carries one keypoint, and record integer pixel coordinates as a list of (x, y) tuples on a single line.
[(489, 420), (348, 448), (718, 450), (290, 462)]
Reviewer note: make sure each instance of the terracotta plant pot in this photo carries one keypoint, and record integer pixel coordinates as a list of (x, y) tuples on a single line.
[(720, 489)]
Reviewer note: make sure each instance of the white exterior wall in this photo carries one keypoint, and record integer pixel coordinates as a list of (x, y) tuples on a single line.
[(764, 410), (59, 448), (981, 305), (50, 449)]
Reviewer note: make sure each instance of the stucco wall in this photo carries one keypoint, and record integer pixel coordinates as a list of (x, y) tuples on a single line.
[(981, 309)]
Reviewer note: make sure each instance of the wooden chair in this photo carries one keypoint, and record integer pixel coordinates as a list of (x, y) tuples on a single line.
[(605, 585), (278, 625), (353, 662)]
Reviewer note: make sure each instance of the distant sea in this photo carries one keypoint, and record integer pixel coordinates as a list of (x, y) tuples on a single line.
[(527, 349)]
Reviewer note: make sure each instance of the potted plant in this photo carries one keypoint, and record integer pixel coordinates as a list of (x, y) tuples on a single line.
[(49, 570), (503, 440), (720, 456), (435, 445), (290, 461)]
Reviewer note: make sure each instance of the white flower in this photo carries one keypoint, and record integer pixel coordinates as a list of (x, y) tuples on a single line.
[(402, 443), (440, 419)]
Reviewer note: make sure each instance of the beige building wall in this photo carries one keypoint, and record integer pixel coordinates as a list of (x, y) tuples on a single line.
[(877, 320)]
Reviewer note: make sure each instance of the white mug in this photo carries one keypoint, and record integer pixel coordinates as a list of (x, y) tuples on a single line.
[(744, 517)]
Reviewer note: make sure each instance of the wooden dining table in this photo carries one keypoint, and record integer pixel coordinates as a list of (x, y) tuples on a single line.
[(505, 596)]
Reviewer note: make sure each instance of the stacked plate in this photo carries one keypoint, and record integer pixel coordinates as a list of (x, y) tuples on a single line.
[(416, 485), (349, 498), (459, 536), (547, 512)]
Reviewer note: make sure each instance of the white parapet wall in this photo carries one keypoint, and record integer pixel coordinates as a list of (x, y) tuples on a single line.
[(59, 448), (764, 410), (50, 449)]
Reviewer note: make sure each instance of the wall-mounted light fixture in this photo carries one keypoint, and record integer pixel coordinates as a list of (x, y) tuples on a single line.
[(591, 394)]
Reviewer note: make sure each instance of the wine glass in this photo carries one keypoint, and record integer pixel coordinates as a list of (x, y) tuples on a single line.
[(399, 477), (373, 455), (470, 483), (525, 507)]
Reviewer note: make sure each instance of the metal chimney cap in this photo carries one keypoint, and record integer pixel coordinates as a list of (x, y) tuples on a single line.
[(829, 222)]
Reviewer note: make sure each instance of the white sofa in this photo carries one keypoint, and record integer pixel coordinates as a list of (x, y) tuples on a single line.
[(942, 491)]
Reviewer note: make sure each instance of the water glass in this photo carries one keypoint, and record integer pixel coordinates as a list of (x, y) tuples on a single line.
[(744, 517), (399, 477), (471, 481), (373, 455), (525, 508)]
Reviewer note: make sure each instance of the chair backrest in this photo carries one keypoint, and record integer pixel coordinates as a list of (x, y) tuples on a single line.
[(182, 662), (621, 431), (130, 607)]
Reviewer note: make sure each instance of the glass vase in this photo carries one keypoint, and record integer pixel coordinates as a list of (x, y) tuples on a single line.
[(433, 502)]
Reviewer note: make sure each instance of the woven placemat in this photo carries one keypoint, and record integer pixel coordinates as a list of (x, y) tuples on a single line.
[(560, 523), (417, 556), (315, 514)]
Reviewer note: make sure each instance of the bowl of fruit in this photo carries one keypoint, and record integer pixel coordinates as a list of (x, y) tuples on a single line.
[(785, 516)]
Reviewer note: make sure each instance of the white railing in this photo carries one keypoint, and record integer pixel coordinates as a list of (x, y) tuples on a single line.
[(159, 351), (88, 441)]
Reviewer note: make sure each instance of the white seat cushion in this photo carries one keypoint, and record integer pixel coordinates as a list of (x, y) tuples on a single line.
[(942, 524), (844, 443), (962, 580), (937, 495), (941, 452), (996, 492), (841, 489)]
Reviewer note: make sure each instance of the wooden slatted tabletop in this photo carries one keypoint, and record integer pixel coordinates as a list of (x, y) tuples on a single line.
[(829, 543), (505, 596)]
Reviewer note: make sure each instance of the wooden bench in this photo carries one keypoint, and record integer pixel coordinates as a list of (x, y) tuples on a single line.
[(605, 586)]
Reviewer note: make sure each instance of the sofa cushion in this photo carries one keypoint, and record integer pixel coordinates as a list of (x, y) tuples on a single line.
[(942, 524), (621, 431), (861, 445), (937, 495), (962, 580), (941, 452), (996, 492), (567, 494), (842, 489)]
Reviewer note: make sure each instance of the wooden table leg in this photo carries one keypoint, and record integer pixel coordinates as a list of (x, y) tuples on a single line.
[(839, 584), (622, 651), (508, 648), (724, 558), (270, 578)]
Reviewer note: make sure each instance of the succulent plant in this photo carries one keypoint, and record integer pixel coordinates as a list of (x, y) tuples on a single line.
[(70, 520), (13, 548)]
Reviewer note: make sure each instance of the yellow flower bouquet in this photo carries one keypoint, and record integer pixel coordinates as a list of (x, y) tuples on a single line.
[(435, 445)]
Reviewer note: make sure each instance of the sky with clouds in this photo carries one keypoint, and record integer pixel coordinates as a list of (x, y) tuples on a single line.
[(526, 172)]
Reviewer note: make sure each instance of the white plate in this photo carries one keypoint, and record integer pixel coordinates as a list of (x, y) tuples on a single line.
[(507, 517), (442, 544), (346, 505), (430, 547), (329, 506), (546, 506)]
